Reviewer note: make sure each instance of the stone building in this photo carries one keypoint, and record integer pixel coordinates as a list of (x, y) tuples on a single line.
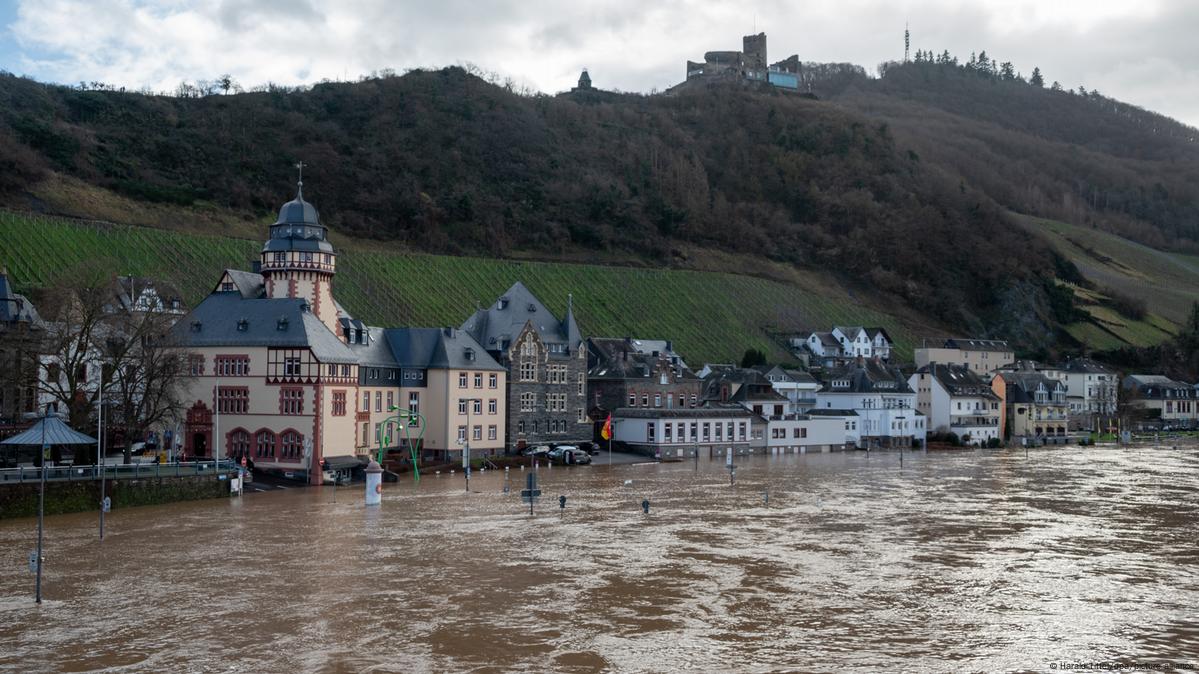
[(284, 376), (749, 64), (546, 360), (627, 372)]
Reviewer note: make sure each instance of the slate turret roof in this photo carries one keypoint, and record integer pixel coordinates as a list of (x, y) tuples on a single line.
[(495, 327)]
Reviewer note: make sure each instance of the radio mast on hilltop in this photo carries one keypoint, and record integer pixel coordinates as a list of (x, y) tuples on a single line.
[(907, 41)]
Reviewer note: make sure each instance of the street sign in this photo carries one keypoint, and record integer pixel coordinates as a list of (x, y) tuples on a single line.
[(530, 492), (526, 494), (33, 562), (106, 504)]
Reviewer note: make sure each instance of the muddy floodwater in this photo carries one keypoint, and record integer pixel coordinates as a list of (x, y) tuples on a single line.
[(958, 561)]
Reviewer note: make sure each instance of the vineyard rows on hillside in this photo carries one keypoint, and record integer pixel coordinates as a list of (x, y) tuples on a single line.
[(710, 316)]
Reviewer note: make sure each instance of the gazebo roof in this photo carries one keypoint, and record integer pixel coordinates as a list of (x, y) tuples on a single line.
[(56, 433)]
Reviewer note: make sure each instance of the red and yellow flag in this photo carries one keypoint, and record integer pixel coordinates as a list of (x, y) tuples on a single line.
[(606, 431)]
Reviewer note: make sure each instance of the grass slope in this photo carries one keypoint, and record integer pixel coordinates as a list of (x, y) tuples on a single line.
[(1167, 282), (711, 316)]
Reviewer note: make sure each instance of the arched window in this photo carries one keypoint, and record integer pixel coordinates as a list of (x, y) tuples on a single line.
[(264, 443), (239, 443), (291, 444)]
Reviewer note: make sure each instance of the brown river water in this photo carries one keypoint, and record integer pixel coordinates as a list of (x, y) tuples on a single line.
[(958, 561)]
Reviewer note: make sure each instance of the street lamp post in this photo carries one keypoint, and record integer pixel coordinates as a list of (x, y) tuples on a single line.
[(41, 508), (466, 438)]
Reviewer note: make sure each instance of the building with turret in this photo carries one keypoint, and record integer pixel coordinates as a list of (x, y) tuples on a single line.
[(749, 64), (284, 376)]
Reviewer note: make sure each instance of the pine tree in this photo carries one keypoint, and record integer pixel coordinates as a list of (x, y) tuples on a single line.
[(1007, 71), (1037, 79), (1057, 86)]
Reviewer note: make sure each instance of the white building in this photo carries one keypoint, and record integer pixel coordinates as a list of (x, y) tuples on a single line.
[(865, 342), (1091, 390), (797, 386), (882, 399), (669, 433), (955, 399)]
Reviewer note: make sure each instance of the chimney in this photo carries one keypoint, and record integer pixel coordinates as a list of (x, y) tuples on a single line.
[(449, 332)]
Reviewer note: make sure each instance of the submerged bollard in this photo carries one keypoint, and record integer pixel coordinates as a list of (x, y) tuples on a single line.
[(645, 506), (766, 497), (562, 502)]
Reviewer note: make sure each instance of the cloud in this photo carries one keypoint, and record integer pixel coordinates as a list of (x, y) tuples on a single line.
[(1139, 52)]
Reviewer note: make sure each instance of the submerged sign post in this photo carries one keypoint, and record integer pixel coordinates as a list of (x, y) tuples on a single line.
[(530, 493)]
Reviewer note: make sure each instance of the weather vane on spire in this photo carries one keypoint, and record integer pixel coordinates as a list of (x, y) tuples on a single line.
[(300, 182)]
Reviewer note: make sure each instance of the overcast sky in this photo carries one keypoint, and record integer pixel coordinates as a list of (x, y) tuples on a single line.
[(1144, 52)]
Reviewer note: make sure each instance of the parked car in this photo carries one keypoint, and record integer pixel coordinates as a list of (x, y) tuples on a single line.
[(570, 454), (539, 450)]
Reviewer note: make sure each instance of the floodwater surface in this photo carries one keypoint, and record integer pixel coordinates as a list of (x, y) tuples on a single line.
[(956, 561)]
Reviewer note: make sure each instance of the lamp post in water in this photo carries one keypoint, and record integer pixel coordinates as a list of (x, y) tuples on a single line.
[(466, 437), (41, 507)]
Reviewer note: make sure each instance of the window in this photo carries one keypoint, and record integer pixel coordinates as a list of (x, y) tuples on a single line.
[(580, 416), (694, 431), (657, 400), (582, 383), (462, 406), (707, 431), (645, 400), (414, 403), (650, 432), (461, 434), (693, 400), (492, 381), (233, 400), (520, 427), (339, 403), (291, 445), (632, 398), (390, 400), (345, 370), (461, 380), (528, 370), (280, 256), (528, 402), (667, 433), (478, 380), (227, 287), (366, 401), (477, 406), (741, 431), (492, 407), (476, 433), (291, 401), (239, 443), (264, 443), (305, 256), (719, 431), (196, 364), (232, 366)]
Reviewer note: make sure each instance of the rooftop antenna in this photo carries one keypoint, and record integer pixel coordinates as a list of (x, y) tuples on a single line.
[(907, 41), (300, 182)]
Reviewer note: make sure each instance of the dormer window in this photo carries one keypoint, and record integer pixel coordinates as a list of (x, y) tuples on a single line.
[(227, 287), (503, 303), (304, 307), (281, 324), (196, 325), (532, 307), (470, 354), (242, 325)]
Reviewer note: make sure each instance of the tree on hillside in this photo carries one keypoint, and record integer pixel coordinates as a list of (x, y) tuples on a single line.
[(753, 358), (226, 82), (1057, 86), (1007, 71), (1037, 80)]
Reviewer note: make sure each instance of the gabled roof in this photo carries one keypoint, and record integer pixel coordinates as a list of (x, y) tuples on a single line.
[(507, 317), (959, 381), (225, 319), (850, 331), (967, 344), (15, 307), (867, 377), (249, 284), (626, 358), (876, 331), (1143, 381), (1085, 366), (826, 338), (1022, 384), (438, 348)]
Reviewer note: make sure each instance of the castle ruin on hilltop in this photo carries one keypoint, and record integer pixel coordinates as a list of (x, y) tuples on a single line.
[(747, 64)]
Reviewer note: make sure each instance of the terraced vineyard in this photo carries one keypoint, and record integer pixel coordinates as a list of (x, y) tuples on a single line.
[(1167, 282), (710, 316)]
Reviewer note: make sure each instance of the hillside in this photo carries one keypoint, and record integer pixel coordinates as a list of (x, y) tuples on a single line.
[(908, 193), (444, 162), (710, 316)]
